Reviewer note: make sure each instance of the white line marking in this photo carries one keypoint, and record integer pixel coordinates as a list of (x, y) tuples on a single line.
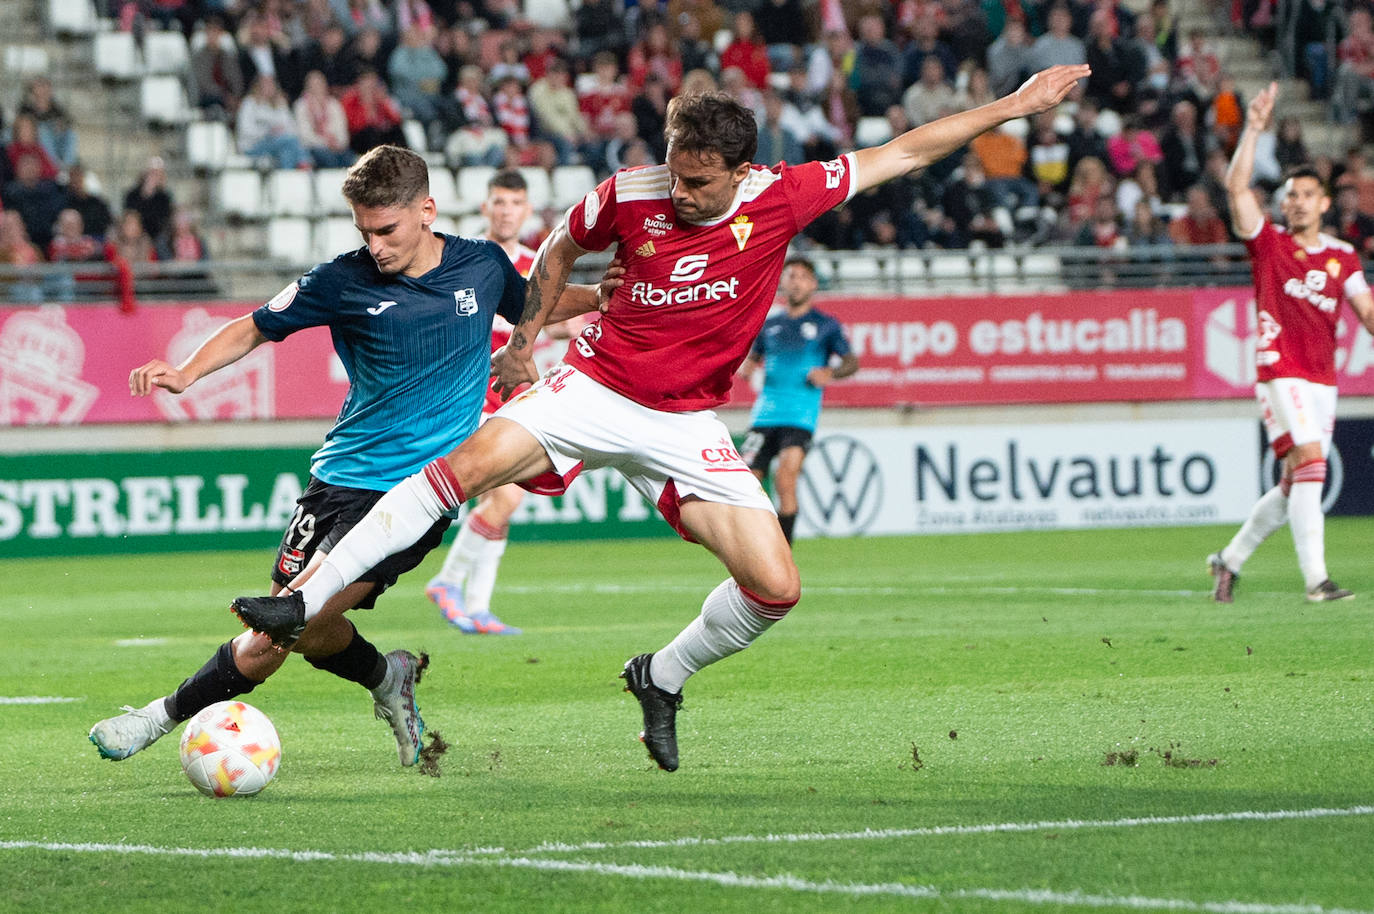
[(728, 879), (844, 591), (140, 642), (940, 830), (35, 700)]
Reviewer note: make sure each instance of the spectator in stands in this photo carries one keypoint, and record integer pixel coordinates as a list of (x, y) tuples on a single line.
[(1290, 149), (414, 14), (511, 108), (1198, 68), (617, 152), (1346, 221), (25, 142), (71, 243), (1314, 21), (969, 210), (322, 125), (1353, 91), (37, 199), (1226, 115), (1133, 145), (457, 49), (1146, 229), (597, 26), (925, 43), (1049, 158), (1009, 58), (150, 198), (782, 24), (557, 114), (603, 97), (510, 63), (1141, 184), (16, 250), (266, 127), (479, 141), (1164, 27), (373, 118), (1355, 172), (876, 75), (708, 14), (215, 77), (1117, 69), (1004, 159), (1103, 228), (327, 53), (131, 240), (364, 52), (95, 212), (1089, 183), (1184, 147), (747, 51), (976, 91), (834, 56), (415, 72), (1085, 140), (734, 83), (1200, 223), (358, 16), (654, 53), (183, 242), (1058, 45), (650, 109), (541, 49), (776, 141), (931, 96), (264, 48), (54, 127), (695, 51), (804, 116)]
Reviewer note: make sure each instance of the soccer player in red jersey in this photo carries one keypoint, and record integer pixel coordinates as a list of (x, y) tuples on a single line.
[(703, 239), (1301, 278)]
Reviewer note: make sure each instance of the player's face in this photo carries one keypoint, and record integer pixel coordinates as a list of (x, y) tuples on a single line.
[(1304, 203), (798, 285), (395, 234), (702, 187), (505, 209)]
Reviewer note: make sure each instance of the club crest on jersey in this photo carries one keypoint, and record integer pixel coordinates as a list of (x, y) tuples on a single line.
[(646, 249), (1333, 266), (657, 225), (465, 301), (741, 228)]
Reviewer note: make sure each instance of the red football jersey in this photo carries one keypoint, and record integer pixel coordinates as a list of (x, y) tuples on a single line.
[(1298, 295), (523, 261), (694, 295)]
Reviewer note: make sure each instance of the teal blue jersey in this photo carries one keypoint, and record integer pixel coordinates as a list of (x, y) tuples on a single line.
[(417, 351), (789, 348)]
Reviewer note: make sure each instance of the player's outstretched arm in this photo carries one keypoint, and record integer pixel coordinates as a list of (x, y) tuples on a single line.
[(513, 364), (225, 346), (1246, 214), (923, 146), (1364, 309)]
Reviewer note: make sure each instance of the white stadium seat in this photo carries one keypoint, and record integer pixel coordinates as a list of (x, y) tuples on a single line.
[(472, 226), (569, 184), (165, 52), (329, 198), (72, 18), (238, 192), (289, 238), (26, 60), (472, 187), (414, 132), (872, 131), (162, 100), (209, 144), (335, 236), (444, 190), (116, 56), (547, 14), (290, 192), (538, 181)]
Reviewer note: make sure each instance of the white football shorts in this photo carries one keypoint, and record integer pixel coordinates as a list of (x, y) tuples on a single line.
[(1297, 411), (582, 424)]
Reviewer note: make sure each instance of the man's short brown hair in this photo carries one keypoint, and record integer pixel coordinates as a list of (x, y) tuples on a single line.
[(387, 176), (709, 122)]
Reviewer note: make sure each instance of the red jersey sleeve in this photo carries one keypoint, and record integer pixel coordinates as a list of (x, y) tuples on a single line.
[(591, 223), (815, 187)]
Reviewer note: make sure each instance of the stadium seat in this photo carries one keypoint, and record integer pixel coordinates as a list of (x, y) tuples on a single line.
[(238, 192), (950, 266), (72, 18), (289, 239), (1109, 123), (290, 192), (548, 14), (721, 40), (538, 181), (860, 268), (446, 225), (208, 145), (414, 132), (472, 226), (871, 131), (26, 60), (472, 187), (1041, 265), (116, 56), (329, 198), (165, 52), (569, 184), (335, 236), (995, 266), (444, 190), (1017, 127), (162, 100)]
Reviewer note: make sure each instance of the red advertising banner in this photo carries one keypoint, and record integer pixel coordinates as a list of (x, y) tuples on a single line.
[(67, 365)]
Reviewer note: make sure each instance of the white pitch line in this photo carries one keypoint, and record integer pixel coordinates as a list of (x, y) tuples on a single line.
[(727, 879), (35, 700), (847, 591), (933, 831)]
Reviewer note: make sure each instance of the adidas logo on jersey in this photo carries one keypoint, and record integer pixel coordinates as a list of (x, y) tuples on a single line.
[(646, 249)]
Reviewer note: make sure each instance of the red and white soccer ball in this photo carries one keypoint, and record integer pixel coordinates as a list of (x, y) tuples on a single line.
[(230, 749)]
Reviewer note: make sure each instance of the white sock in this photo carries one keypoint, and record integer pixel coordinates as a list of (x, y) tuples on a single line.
[(1307, 521), (482, 581), (1266, 516), (462, 555), (397, 520), (729, 622)]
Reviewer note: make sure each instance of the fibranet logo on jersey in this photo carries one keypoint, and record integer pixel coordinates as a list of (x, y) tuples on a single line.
[(1310, 290), (687, 269)]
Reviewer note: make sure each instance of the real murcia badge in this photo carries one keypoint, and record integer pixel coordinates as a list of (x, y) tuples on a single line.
[(646, 249), (742, 228), (1333, 266)]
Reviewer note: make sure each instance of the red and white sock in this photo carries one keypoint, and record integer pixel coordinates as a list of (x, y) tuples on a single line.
[(397, 520), (731, 618), (481, 581), (1306, 519), (1268, 515)]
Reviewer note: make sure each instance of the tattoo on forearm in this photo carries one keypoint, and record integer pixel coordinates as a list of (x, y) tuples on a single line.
[(534, 301), (518, 340)]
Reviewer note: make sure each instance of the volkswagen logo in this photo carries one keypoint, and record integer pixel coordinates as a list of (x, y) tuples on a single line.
[(841, 487)]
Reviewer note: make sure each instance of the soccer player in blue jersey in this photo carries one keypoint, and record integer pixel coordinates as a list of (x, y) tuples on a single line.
[(410, 313), (801, 351)]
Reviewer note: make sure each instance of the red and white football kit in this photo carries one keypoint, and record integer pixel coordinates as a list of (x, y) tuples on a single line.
[(1298, 296), (692, 302), (523, 261)]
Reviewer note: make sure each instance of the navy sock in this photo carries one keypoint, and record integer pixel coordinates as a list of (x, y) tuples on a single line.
[(218, 680), (360, 662), (787, 520)]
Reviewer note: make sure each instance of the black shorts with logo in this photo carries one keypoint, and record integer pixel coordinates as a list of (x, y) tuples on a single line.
[(324, 513), (761, 445)]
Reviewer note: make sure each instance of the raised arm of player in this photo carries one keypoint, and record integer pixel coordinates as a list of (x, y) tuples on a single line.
[(923, 146), (513, 364), (1246, 214), (225, 346)]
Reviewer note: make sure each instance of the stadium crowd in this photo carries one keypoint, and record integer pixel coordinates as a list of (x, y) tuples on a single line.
[(1135, 158)]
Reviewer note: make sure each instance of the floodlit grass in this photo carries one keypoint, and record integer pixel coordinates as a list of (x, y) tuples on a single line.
[(968, 723)]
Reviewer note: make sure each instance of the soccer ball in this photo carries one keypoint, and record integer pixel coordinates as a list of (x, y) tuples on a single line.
[(230, 749)]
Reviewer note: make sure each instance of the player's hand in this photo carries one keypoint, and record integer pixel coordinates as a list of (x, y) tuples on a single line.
[(819, 377), (1261, 107), (510, 369), (156, 373), (611, 280), (1049, 87)]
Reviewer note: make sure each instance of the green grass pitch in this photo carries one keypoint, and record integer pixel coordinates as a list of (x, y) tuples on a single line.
[(1001, 723)]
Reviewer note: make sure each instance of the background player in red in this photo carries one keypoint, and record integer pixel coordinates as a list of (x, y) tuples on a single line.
[(703, 239), (463, 587), (1301, 278)]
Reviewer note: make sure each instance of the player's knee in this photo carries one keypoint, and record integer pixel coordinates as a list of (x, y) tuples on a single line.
[(778, 587)]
